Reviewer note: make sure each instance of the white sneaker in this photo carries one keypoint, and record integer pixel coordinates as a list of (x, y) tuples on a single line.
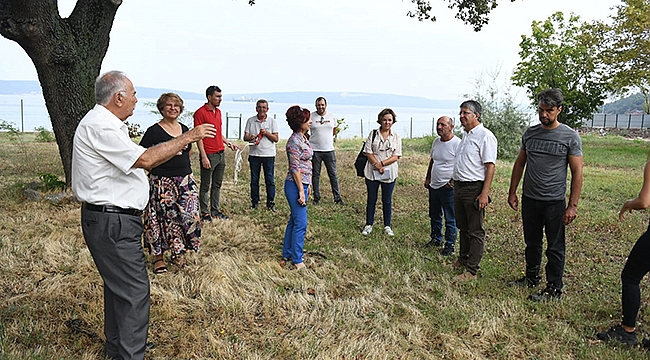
[(389, 231), (366, 230)]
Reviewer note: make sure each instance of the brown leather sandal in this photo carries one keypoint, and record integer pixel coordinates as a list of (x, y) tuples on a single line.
[(159, 269)]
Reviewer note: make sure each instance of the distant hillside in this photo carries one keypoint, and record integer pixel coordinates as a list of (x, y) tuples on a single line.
[(630, 104), (11, 87)]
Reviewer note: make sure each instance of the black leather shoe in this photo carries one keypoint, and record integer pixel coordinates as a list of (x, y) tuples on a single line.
[(547, 294), (448, 250), (525, 282)]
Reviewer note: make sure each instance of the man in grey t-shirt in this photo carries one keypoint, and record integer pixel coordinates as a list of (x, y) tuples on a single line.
[(546, 150)]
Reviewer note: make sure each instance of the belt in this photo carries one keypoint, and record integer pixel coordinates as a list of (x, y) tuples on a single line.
[(467, 183), (111, 209)]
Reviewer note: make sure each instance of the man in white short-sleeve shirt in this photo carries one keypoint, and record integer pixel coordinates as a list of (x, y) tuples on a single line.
[(262, 133), (323, 129), (108, 177), (473, 173), (438, 183)]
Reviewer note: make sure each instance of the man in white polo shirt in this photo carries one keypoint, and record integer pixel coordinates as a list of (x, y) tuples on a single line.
[(262, 133), (323, 129)]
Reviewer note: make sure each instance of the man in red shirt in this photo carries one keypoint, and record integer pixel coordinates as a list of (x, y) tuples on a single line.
[(212, 157)]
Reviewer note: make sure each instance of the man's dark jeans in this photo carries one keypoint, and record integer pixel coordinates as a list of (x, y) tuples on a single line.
[(539, 218), (257, 163), (441, 202), (329, 158)]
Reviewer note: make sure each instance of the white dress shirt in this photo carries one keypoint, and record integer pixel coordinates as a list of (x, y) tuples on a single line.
[(102, 163)]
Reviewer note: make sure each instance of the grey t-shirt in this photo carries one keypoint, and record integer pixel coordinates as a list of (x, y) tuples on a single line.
[(547, 153)]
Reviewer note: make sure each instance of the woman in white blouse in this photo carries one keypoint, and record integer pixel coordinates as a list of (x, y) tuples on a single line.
[(383, 150)]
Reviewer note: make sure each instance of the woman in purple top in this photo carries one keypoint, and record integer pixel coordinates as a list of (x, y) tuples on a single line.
[(171, 218), (297, 184)]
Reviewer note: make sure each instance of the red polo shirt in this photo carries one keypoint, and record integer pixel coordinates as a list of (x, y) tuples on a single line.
[(205, 115)]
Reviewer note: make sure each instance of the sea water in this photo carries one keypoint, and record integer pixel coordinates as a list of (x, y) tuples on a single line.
[(411, 122)]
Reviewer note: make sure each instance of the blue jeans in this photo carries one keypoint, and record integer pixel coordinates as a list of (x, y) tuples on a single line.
[(539, 217), (386, 200), (441, 201), (294, 235), (329, 158), (257, 163)]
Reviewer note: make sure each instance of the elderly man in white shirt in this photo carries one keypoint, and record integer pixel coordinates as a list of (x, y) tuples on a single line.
[(476, 158), (108, 177)]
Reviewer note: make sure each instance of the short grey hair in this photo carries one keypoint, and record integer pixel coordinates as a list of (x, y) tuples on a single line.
[(474, 107), (108, 84)]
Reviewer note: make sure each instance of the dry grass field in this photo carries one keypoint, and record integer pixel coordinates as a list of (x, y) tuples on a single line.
[(361, 297)]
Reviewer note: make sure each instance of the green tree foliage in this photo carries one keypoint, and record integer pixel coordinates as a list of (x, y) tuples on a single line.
[(471, 12), (564, 53), (501, 115), (628, 49)]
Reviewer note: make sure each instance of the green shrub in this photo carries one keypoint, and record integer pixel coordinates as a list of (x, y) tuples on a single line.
[(51, 181), (501, 115), (44, 135)]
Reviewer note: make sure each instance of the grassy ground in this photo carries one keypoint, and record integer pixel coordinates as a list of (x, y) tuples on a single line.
[(361, 298)]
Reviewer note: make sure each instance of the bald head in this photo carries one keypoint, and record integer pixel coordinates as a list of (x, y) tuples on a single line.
[(445, 128)]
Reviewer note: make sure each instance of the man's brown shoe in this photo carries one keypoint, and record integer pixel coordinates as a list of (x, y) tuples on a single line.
[(465, 276)]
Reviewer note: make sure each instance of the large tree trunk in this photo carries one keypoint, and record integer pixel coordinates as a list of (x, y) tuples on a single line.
[(67, 54)]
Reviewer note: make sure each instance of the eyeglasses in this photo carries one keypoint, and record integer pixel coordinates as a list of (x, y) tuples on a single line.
[(465, 113)]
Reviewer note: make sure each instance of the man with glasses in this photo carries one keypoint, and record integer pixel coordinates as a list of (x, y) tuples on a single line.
[(108, 177), (473, 172), (323, 129), (546, 150), (211, 156), (262, 133)]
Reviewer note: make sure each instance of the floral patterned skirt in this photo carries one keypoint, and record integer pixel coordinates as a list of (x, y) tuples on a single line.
[(171, 218)]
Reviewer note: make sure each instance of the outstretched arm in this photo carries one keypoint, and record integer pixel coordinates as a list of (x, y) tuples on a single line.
[(642, 201)]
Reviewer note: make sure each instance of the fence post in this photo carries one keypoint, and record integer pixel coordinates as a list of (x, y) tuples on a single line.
[(361, 128), (629, 120), (411, 129), (642, 118), (227, 122), (605, 121), (240, 137), (433, 126), (22, 118), (616, 122)]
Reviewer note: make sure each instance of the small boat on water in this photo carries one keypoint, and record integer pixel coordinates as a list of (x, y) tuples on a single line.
[(243, 99), (247, 99)]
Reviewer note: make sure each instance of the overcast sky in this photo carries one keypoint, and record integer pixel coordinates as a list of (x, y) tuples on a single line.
[(310, 45)]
